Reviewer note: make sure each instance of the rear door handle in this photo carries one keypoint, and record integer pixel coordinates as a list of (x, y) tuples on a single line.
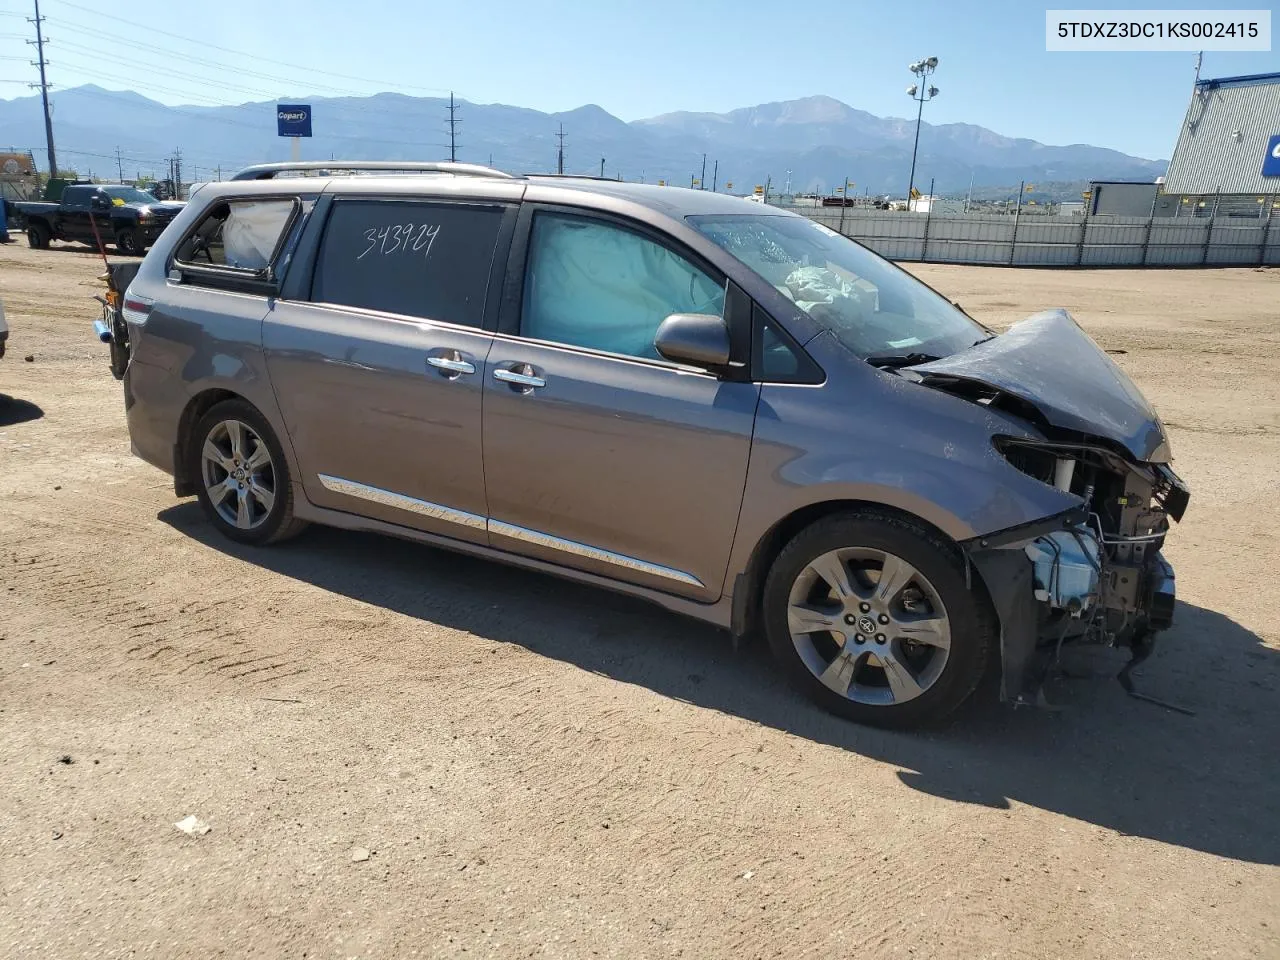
[(520, 375)]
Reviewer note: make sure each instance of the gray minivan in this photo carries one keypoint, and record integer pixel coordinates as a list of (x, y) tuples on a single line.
[(716, 405)]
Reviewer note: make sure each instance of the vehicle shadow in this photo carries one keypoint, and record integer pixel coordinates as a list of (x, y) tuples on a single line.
[(14, 411), (1208, 782)]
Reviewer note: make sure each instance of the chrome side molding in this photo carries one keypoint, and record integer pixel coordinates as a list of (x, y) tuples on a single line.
[(437, 511), (425, 508), (592, 553)]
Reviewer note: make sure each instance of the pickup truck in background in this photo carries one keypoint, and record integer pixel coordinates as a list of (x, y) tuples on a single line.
[(130, 218)]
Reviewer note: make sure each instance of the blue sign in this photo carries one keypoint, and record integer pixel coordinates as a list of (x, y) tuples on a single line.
[(1271, 164), (293, 119)]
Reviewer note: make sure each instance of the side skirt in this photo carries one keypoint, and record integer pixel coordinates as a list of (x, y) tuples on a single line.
[(717, 614)]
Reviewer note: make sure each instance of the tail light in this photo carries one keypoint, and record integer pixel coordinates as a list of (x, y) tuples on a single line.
[(136, 308)]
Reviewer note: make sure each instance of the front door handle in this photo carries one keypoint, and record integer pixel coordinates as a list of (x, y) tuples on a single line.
[(520, 375), (451, 364)]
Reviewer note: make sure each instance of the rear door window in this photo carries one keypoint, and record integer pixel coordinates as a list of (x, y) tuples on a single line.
[(413, 258)]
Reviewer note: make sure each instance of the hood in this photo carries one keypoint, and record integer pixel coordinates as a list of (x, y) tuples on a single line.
[(1052, 364), (164, 209)]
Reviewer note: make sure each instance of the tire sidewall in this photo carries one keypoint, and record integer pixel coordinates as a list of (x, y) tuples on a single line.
[(37, 237), (281, 508), (939, 562), (128, 242)]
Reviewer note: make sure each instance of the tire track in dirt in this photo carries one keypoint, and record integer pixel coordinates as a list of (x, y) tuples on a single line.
[(155, 636)]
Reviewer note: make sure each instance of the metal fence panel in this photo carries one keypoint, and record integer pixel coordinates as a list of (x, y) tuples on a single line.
[(1104, 232), (1037, 240), (1174, 255), (970, 228), (1044, 230), (1043, 254), (961, 251), (1165, 231), (1112, 255)]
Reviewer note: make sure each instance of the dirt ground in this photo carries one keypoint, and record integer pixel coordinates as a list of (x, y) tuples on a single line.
[(541, 769)]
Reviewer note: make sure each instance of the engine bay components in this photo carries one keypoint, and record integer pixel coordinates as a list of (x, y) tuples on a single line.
[(1066, 568)]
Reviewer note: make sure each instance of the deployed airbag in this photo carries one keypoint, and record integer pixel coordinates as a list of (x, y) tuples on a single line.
[(594, 285), (250, 232)]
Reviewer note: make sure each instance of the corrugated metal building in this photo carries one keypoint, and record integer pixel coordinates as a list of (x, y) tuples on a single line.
[(1224, 152)]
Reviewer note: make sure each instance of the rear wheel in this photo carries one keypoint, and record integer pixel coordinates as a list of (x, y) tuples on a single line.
[(38, 236), (242, 478), (870, 615)]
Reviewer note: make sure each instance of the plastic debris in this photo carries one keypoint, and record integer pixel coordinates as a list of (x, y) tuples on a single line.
[(193, 826)]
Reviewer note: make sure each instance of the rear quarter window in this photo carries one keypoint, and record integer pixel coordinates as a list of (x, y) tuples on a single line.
[(238, 234), (414, 258)]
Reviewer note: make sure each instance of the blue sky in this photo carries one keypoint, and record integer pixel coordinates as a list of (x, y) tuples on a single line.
[(635, 58)]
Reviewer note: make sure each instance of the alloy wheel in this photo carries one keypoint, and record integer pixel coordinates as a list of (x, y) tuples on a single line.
[(869, 625), (238, 474)]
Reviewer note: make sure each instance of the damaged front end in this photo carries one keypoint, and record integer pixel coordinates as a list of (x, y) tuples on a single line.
[(1092, 575), (1095, 573)]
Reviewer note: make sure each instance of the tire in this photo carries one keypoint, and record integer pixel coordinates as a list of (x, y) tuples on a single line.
[(258, 522), (925, 689), (38, 236), (129, 242)]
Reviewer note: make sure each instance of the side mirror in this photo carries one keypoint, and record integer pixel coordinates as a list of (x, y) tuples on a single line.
[(99, 202), (697, 339)]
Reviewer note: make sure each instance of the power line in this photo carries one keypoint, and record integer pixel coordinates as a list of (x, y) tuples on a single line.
[(248, 56), (117, 38)]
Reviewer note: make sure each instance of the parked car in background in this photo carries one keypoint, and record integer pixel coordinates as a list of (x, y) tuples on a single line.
[(119, 214), (724, 408)]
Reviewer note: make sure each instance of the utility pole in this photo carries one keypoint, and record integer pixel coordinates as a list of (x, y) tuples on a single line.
[(702, 180), (715, 177), (44, 89), (602, 168), (453, 129), (177, 174), (119, 164), (560, 151)]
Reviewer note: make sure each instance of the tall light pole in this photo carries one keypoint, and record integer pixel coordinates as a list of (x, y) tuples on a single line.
[(920, 92)]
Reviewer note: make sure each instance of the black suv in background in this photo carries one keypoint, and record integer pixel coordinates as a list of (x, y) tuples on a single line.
[(130, 218)]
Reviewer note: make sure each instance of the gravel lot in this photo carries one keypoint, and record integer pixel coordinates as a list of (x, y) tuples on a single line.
[(539, 769)]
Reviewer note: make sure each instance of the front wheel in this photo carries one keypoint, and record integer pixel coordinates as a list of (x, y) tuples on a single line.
[(242, 478), (871, 617), (129, 242)]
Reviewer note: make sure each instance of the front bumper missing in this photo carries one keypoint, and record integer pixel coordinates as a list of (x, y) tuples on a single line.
[(1008, 575)]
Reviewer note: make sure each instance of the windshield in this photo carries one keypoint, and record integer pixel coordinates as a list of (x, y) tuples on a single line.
[(874, 308), (129, 194)]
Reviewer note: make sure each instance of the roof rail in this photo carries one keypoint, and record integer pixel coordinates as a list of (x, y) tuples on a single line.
[(270, 171)]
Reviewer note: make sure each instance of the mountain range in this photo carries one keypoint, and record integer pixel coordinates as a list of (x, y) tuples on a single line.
[(814, 142)]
